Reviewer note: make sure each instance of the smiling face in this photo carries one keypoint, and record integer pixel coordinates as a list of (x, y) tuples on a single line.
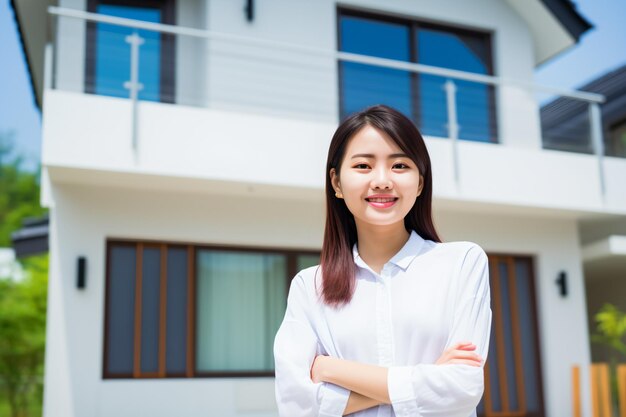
[(377, 180)]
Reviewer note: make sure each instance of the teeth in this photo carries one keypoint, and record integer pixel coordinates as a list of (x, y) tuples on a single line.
[(381, 200)]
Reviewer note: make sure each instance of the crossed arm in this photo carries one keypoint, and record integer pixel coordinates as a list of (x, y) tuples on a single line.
[(368, 383), (307, 386)]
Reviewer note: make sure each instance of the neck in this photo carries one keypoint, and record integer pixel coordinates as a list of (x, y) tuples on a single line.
[(378, 244)]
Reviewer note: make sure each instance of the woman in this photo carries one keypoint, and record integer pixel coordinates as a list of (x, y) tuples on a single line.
[(392, 321)]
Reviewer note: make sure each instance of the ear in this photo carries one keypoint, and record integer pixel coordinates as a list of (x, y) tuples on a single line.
[(420, 186), (334, 179)]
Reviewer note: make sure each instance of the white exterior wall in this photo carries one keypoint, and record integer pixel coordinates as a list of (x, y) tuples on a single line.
[(84, 217)]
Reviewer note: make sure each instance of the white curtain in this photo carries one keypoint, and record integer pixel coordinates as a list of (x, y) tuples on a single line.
[(241, 299)]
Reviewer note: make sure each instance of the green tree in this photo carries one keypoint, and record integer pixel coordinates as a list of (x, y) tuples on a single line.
[(19, 191), (611, 329), (22, 303), (23, 334)]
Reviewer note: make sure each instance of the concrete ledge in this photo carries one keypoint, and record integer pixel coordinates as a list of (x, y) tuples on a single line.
[(612, 246)]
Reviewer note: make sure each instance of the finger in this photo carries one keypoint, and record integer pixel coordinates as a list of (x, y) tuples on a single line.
[(462, 345), (461, 354), (452, 350), (467, 347), (463, 362), (458, 346)]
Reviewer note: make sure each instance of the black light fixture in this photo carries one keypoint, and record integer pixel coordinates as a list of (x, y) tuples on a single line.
[(81, 272), (561, 281), (249, 9)]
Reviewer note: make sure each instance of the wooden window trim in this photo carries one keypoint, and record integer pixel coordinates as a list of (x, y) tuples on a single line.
[(191, 248)]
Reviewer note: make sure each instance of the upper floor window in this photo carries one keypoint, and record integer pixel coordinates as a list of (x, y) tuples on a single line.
[(419, 96), (177, 310), (109, 52)]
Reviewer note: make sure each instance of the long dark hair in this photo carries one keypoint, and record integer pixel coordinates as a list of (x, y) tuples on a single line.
[(337, 262)]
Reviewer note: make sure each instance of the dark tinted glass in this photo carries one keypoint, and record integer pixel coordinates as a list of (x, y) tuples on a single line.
[(364, 85), (527, 334), (150, 285), (176, 348), (121, 309)]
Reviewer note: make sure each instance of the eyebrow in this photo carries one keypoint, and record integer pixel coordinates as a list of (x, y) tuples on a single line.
[(369, 155)]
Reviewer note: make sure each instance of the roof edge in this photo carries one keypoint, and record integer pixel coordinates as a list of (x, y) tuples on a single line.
[(16, 18), (566, 13)]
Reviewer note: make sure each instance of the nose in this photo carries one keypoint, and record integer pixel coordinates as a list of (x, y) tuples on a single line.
[(381, 180)]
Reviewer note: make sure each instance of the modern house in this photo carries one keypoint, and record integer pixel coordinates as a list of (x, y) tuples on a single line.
[(184, 146)]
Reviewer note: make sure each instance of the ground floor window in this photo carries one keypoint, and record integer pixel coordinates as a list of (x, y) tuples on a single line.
[(175, 310)]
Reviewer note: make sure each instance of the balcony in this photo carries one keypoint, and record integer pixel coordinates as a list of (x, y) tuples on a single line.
[(171, 107)]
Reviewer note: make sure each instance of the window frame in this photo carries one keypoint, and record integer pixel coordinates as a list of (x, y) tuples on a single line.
[(413, 25), (291, 255), (167, 64)]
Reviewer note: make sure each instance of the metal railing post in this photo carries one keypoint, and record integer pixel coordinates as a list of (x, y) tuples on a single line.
[(453, 125), (134, 86), (595, 118), (47, 66)]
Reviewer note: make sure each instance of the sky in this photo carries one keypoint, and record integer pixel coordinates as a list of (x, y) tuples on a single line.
[(19, 115), (600, 50)]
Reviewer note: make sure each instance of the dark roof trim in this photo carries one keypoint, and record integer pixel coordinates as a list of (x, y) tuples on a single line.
[(566, 13), (32, 238), (563, 110), (25, 53)]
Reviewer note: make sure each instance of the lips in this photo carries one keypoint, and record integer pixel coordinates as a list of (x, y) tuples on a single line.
[(381, 201)]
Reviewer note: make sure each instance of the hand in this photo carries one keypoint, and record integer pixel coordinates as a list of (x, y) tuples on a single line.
[(317, 367), (460, 353)]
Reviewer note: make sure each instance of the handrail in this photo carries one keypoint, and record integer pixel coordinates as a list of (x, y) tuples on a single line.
[(344, 56)]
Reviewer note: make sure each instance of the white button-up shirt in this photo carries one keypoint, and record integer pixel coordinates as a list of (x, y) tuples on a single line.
[(428, 297)]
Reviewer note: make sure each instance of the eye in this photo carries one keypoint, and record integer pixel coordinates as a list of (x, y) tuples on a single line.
[(400, 165), (361, 166)]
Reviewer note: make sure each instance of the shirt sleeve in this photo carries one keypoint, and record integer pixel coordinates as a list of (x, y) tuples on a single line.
[(451, 390), (295, 347)]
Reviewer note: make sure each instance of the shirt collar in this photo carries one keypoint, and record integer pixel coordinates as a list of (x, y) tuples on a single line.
[(403, 258)]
